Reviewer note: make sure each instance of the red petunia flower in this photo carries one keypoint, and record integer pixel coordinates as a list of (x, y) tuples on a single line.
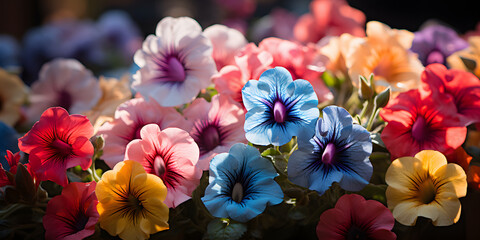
[(12, 160), (73, 214), (418, 123), (56, 142), (462, 86), (356, 218)]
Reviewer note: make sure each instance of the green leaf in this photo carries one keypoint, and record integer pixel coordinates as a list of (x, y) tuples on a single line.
[(375, 192), (224, 229), (329, 79), (270, 152)]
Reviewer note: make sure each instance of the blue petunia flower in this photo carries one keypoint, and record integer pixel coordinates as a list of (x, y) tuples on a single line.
[(278, 107), (241, 184), (9, 141), (338, 152)]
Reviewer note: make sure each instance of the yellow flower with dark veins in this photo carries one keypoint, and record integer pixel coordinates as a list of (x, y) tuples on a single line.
[(130, 202), (425, 186)]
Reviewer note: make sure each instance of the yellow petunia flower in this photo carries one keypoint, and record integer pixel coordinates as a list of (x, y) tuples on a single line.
[(12, 95), (425, 186), (384, 52), (131, 202)]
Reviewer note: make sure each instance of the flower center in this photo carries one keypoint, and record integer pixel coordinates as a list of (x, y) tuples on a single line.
[(279, 112), (134, 203), (159, 166), (210, 138), (328, 156), (64, 100), (426, 191), (435, 56), (81, 221), (419, 129), (355, 232), (176, 71), (62, 147), (237, 192)]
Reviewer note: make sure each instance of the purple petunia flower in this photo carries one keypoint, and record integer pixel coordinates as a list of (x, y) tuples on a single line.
[(338, 152), (435, 43)]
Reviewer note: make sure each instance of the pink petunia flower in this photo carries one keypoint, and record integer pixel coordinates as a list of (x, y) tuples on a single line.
[(73, 214), (356, 218), (217, 126), (303, 62), (462, 86), (329, 18), (226, 43), (175, 64), (129, 119), (418, 123), (56, 142), (250, 63), (63, 83), (170, 154)]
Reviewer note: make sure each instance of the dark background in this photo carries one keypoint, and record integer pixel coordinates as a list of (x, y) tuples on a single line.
[(17, 16)]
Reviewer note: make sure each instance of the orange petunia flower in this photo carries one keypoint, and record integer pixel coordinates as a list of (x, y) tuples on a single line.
[(131, 202), (384, 52)]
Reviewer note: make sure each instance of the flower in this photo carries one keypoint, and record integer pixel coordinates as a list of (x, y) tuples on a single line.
[(129, 119), (13, 94), (130, 202), (216, 126), (435, 43), (467, 59), (303, 62), (225, 42), (278, 108), (329, 18), (73, 214), (356, 218), (10, 165), (278, 23), (463, 87), (250, 62), (241, 184), (417, 123), (425, 186), (175, 64), (114, 93), (64, 83), (9, 52), (473, 177), (384, 52), (170, 154), (339, 151), (56, 142)]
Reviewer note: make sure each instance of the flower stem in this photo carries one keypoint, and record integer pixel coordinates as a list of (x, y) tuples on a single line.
[(372, 118)]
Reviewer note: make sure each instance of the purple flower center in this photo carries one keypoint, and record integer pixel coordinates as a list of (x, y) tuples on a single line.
[(175, 70), (237, 192), (419, 129), (210, 138), (64, 100), (328, 156), (279, 112), (62, 147), (159, 166), (435, 56)]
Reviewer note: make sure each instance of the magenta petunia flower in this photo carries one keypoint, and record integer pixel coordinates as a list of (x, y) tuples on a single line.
[(63, 83), (226, 43), (217, 126), (56, 142), (356, 218), (460, 86), (175, 64), (170, 154), (129, 119), (73, 214)]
